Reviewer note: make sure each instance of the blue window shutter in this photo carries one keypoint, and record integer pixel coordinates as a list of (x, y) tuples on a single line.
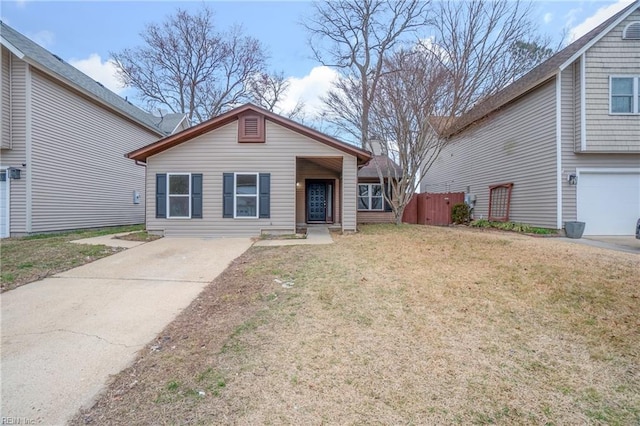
[(161, 195), (388, 190), (196, 196), (227, 195), (265, 195)]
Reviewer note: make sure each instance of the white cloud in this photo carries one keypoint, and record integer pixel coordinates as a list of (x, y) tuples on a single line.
[(548, 17), (597, 18), (309, 90), (104, 72), (44, 38), (572, 16)]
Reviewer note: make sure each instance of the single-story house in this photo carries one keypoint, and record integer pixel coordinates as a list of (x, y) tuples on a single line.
[(246, 172), (560, 144), (64, 137)]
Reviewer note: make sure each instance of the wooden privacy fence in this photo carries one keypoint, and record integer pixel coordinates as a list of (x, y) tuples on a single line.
[(432, 209)]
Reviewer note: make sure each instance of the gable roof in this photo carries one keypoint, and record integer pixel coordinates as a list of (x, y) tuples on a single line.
[(388, 167), (540, 74), (169, 123), (214, 123), (53, 65)]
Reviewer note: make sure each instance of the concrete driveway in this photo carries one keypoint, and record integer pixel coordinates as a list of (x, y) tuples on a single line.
[(62, 337), (626, 244)]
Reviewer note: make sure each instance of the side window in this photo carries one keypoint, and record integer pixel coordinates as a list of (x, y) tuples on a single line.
[(370, 196), (625, 95), (179, 195), (246, 195)]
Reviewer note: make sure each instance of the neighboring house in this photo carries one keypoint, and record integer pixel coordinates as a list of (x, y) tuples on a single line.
[(170, 123), (566, 135), (64, 137), (246, 172), (372, 207)]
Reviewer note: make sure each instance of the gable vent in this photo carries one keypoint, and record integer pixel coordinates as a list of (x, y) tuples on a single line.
[(251, 128), (632, 31)]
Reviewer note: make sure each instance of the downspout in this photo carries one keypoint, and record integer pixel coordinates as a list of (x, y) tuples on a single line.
[(10, 103), (559, 179)]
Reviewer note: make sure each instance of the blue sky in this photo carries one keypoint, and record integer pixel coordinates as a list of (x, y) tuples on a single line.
[(84, 32)]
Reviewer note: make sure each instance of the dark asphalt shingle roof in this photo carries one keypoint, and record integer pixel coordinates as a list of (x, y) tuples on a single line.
[(52, 64), (535, 77), (388, 167)]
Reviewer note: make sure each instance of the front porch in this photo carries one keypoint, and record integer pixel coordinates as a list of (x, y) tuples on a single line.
[(319, 192)]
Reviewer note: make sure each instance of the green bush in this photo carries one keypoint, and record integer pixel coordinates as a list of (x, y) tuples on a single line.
[(512, 226), (460, 213)]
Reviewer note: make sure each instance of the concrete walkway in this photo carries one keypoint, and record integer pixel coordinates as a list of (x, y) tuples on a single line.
[(62, 337), (315, 235)]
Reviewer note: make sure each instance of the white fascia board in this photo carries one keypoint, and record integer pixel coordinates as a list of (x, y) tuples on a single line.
[(11, 48)]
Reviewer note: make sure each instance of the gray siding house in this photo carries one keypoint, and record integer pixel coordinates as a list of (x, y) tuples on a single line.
[(247, 172), (566, 136), (64, 137)]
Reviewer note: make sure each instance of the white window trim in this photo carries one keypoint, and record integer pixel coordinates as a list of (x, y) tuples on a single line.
[(235, 195), (636, 94), (370, 196), (624, 31), (177, 195)]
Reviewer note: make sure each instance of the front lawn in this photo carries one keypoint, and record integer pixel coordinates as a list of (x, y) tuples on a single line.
[(32, 258), (398, 325)]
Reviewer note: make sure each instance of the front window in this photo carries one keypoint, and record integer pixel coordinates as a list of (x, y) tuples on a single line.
[(246, 195), (370, 196), (179, 195), (625, 95)]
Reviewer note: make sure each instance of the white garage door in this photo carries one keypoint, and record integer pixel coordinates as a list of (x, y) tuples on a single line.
[(4, 205), (609, 203)]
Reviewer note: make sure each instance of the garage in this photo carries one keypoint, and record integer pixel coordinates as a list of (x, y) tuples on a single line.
[(4, 205), (608, 201)]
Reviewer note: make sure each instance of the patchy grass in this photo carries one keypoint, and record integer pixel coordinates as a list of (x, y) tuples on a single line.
[(139, 236), (398, 325), (34, 257)]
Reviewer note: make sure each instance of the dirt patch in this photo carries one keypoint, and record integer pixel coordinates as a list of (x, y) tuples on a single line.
[(138, 236), (409, 324)]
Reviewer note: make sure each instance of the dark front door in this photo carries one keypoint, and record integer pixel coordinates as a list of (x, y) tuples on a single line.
[(317, 202)]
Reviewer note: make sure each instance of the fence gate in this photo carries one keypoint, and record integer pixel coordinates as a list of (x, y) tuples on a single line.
[(432, 209)]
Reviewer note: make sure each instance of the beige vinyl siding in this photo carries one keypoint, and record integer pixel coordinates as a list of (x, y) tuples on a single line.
[(349, 188), (17, 156), (571, 102), (218, 152), (375, 217), (516, 144), (571, 160), (80, 177), (5, 87), (611, 55)]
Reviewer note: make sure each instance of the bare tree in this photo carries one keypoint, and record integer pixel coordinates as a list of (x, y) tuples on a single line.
[(269, 91), (479, 47), (355, 36), (189, 67), (485, 45), (411, 107)]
